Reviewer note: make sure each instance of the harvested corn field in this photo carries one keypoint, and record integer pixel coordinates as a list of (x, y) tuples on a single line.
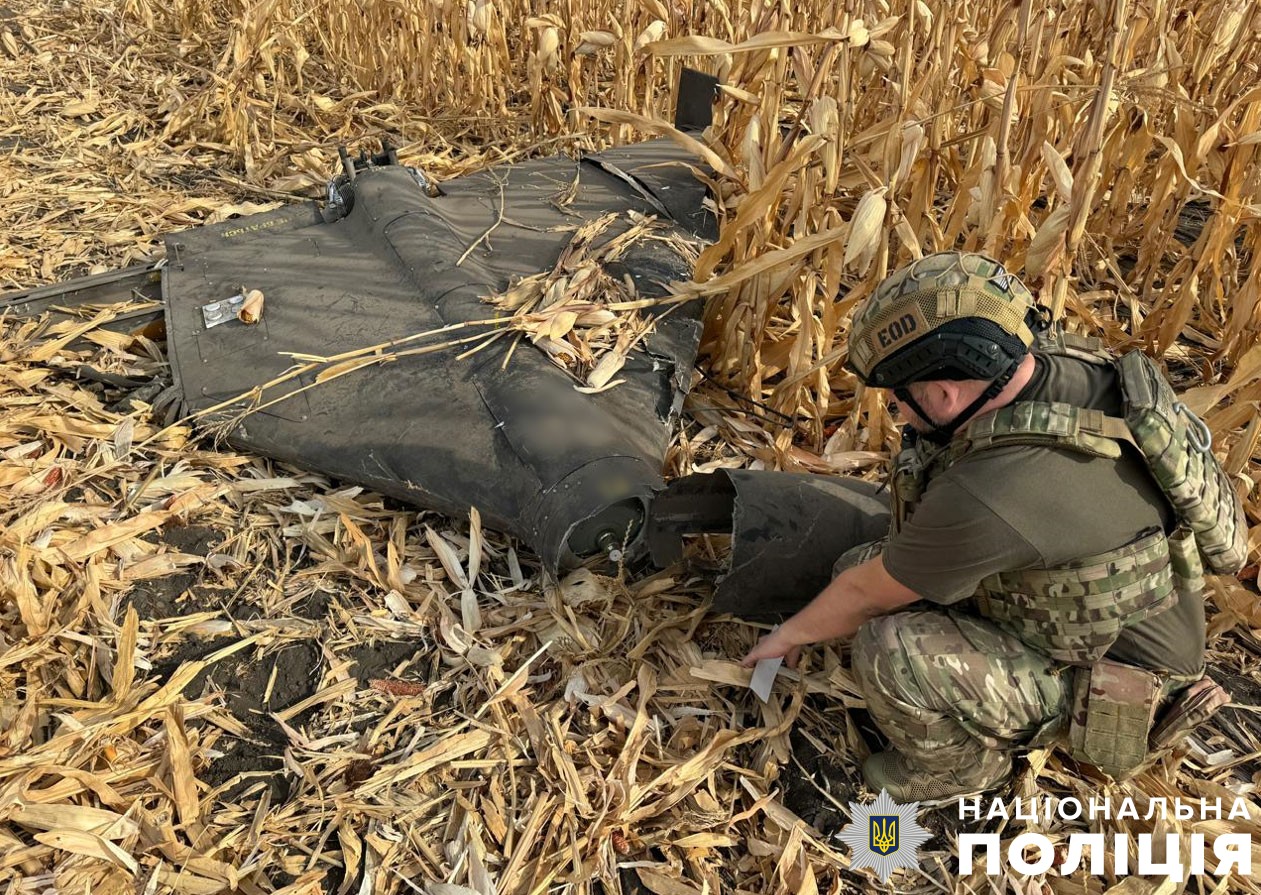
[(219, 673)]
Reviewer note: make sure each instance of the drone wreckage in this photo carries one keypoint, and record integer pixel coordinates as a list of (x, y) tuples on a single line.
[(575, 474)]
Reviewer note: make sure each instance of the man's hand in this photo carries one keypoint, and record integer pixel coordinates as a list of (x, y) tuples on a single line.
[(856, 595), (779, 642)]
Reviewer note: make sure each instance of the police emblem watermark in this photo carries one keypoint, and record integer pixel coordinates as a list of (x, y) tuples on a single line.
[(884, 836)]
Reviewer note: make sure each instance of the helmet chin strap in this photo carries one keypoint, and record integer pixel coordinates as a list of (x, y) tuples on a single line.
[(941, 433)]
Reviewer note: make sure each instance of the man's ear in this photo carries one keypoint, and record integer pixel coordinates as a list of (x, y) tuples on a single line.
[(951, 396), (940, 395)]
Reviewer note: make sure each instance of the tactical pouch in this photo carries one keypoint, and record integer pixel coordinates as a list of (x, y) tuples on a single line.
[(907, 485), (1113, 708), (1178, 449), (1184, 559)]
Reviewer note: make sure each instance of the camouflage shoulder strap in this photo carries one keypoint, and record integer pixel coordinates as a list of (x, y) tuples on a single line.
[(1048, 423)]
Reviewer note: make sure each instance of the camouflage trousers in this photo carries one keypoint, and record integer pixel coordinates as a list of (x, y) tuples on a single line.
[(953, 692)]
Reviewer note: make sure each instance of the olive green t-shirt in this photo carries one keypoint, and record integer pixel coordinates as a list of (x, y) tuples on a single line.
[(1027, 506)]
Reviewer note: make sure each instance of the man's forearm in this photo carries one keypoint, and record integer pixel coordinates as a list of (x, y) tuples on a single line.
[(853, 597), (838, 611)]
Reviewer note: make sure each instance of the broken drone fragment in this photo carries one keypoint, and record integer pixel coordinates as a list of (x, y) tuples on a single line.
[(553, 273), (503, 428), (786, 529)]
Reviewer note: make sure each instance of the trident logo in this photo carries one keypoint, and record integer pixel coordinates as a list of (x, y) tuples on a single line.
[(884, 833), (884, 836)]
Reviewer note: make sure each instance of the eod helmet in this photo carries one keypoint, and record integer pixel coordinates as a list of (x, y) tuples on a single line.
[(950, 315)]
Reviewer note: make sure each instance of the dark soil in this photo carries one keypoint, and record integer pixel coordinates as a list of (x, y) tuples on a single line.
[(173, 595), (160, 597), (315, 606), (383, 658), (806, 794), (196, 539), (243, 679)]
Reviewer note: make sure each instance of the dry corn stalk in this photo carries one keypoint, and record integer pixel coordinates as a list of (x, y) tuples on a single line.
[(628, 740), (586, 320)]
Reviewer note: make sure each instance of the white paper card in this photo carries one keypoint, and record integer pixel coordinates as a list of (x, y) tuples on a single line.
[(764, 677)]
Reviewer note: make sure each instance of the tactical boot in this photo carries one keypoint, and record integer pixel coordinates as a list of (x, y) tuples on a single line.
[(904, 782)]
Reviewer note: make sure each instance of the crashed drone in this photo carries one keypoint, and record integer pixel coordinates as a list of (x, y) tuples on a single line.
[(387, 255)]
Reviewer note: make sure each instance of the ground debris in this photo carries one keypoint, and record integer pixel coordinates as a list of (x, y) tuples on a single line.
[(189, 637)]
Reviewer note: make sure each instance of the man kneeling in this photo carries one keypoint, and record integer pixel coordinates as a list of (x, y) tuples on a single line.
[(1053, 509)]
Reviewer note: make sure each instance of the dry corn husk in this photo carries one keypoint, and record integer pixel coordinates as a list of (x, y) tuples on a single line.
[(252, 308), (865, 229), (613, 727)]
